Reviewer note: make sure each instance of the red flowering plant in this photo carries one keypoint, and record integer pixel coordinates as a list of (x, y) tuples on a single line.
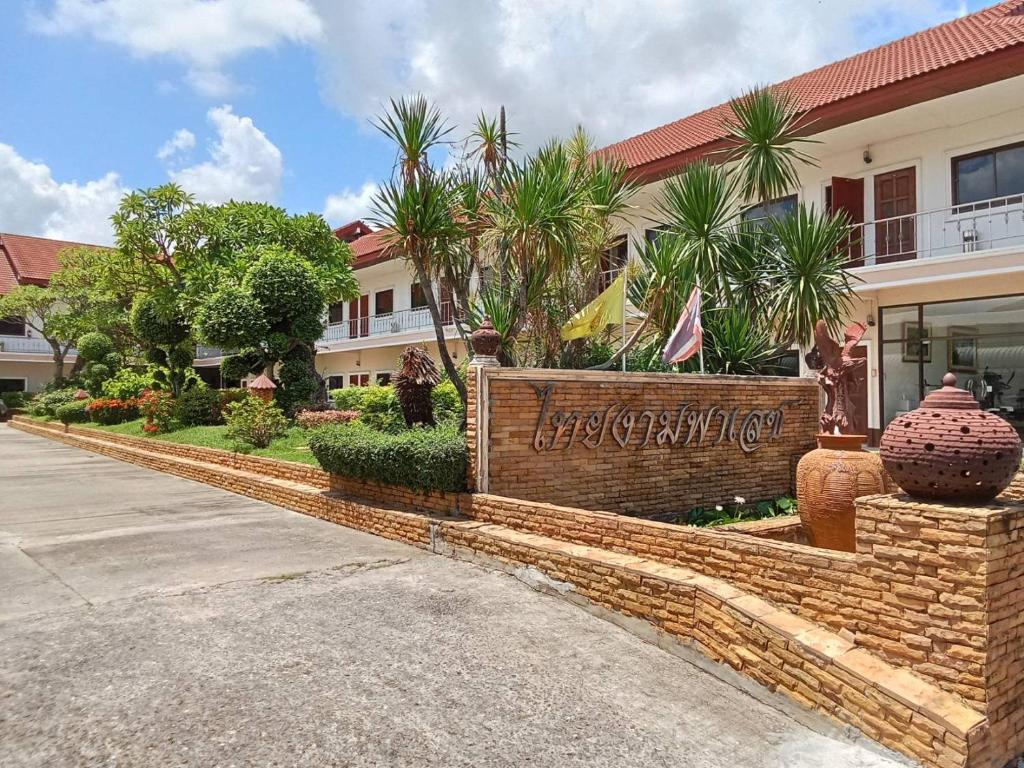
[(158, 409), (316, 419), (112, 410)]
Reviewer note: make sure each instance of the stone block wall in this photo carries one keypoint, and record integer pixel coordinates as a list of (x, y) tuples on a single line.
[(638, 443)]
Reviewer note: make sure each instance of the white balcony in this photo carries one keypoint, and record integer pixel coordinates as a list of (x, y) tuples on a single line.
[(389, 324), (950, 231), (26, 345)]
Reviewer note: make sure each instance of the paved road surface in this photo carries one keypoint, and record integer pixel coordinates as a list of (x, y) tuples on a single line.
[(147, 620)]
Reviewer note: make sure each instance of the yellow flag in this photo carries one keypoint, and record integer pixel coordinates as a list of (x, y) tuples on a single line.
[(606, 309)]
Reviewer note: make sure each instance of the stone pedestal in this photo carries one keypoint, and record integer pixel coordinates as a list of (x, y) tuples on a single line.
[(951, 581)]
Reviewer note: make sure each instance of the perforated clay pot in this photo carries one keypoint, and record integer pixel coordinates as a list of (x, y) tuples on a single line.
[(950, 449)]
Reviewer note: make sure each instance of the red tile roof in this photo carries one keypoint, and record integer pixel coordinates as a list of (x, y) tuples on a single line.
[(368, 249), (352, 231), (965, 53), (30, 260)]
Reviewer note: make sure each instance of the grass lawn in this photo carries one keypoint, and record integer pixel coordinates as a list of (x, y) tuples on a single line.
[(292, 447)]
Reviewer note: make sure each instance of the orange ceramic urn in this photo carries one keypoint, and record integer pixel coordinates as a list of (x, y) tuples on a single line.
[(828, 479)]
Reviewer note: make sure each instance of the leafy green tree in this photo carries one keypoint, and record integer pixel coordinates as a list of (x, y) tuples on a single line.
[(46, 312), (158, 321), (274, 317)]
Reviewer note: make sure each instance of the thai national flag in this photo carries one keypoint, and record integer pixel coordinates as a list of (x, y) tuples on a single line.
[(687, 338)]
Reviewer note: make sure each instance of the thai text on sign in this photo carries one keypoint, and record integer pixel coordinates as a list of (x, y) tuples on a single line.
[(622, 426)]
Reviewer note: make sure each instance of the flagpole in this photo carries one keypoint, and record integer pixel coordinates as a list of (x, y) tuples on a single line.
[(625, 293), (702, 338)]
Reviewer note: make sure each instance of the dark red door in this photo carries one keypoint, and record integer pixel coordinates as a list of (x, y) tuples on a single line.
[(859, 395), (895, 206), (359, 316), (848, 197)]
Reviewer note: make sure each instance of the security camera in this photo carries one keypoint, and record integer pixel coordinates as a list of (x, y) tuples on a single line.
[(867, 157)]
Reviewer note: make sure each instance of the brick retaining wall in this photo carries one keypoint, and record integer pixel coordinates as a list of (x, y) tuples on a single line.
[(895, 639), (574, 437)]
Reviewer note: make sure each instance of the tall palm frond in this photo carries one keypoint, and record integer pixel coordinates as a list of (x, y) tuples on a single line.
[(699, 206), (416, 126), (806, 277), (489, 144), (764, 129)]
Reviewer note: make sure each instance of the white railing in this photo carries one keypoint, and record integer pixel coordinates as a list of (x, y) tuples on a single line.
[(957, 229), (205, 353), (26, 345), (387, 324)]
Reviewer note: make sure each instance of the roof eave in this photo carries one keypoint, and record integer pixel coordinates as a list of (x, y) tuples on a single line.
[(956, 78)]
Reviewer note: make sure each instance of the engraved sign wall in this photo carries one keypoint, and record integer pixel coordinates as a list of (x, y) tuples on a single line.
[(643, 443)]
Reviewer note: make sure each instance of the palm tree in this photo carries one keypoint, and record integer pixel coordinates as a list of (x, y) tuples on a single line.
[(764, 129), (417, 207), (805, 275)]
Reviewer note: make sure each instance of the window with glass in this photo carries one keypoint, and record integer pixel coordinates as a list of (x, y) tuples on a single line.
[(335, 382), (12, 326), (993, 173), (418, 297), (778, 208), (979, 340), (336, 312), (383, 378), (12, 385)]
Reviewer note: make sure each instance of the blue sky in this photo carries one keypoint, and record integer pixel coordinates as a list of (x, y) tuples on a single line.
[(272, 97)]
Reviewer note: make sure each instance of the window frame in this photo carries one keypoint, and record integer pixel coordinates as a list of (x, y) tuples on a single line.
[(955, 178), (13, 320)]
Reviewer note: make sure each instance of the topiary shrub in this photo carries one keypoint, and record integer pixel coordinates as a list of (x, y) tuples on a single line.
[(113, 410), (381, 410), (416, 377), (95, 346), (254, 422), (74, 412), (14, 399), (421, 459), (198, 407)]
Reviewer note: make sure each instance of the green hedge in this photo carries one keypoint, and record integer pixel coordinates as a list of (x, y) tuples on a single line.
[(421, 459), (74, 412)]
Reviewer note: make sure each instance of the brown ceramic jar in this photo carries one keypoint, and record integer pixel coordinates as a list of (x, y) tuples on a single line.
[(485, 339), (828, 480), (950, 449)]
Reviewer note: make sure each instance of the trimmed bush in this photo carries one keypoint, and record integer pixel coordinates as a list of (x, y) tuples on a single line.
[(14, 399), (198, 407), (113, 410), (348, 399), (74, 412), (126, 384), (231, 395), (422, 459), (95, 346), (447, 403), (254, 422), (47, 403), (378, 406), (317, 419)]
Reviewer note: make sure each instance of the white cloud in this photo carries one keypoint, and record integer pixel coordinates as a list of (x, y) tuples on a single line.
[(244, 164), (32, 202), (204, 34), (617, 68), (182, 141), (348, 206)]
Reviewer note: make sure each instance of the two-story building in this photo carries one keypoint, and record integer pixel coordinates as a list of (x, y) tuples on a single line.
[(26, 359), (364, 337), (922, 144)]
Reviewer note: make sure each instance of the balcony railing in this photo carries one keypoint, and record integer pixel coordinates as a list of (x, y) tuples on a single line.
[(388, 324), (26, 345), (205, 353), (958, 229)]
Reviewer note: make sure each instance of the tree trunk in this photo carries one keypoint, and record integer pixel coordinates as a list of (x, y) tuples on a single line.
[(58, 363), (435, 315)]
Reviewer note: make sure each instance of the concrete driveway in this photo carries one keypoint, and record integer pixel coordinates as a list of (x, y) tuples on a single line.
[(147, 620)]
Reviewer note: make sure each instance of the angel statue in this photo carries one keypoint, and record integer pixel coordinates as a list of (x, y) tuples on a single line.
[(839, 374)]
